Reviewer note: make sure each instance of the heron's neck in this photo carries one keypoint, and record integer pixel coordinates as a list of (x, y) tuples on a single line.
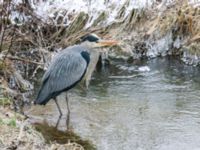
[(94, 52), (94, 57), (88, 45), (85, 44)]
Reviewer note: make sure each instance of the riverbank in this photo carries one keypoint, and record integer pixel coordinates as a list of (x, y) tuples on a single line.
[(17, 133), (32, 34)]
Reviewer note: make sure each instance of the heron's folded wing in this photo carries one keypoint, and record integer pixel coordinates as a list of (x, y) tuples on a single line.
[(65, 71)]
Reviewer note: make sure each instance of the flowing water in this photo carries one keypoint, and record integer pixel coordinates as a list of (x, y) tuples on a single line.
[(152, 105)]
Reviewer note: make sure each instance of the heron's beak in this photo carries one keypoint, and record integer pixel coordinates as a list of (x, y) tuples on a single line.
[(104, 43)]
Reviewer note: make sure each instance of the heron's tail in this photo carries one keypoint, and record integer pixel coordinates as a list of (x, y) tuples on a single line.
[(43, 96), (40, 101)]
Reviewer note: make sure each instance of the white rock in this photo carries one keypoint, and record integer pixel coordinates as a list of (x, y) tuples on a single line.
[(144, 69)]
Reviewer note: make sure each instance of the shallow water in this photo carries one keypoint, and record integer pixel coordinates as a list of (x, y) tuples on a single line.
[(131, 108)]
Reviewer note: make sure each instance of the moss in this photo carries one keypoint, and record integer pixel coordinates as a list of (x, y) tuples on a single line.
[(12, 122), (51, 134), (4, 101), (9, 122), (1, 122), (2, 65)]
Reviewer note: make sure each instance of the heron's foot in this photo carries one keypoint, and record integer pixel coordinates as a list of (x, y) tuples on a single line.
[(68, 121), (58, 121), (60, 115)]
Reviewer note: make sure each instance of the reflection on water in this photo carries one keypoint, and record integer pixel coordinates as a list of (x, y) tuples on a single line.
[(51, 134), (128, 109)]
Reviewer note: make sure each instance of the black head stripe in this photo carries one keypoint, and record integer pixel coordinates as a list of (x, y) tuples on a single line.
[(90, 38)]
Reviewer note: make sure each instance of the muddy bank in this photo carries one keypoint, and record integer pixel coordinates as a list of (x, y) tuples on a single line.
[(17, 133)]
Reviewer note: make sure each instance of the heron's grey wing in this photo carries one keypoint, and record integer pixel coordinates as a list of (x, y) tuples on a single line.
[(72, 51), (65, 71)]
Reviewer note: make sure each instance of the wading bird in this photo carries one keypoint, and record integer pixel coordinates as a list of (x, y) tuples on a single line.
[(69, 67)]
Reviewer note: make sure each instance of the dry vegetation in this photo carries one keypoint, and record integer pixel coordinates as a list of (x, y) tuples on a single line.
[(25, 47), (182, 19), (141, 29), (26, 44)]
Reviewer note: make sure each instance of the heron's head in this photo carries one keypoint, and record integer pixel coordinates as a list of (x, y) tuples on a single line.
[(92, 41), (94, 46)]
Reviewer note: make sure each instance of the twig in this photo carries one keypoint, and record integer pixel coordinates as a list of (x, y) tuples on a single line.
[(34, 72), (2, 36), (10, 46), (24, 60), (4, 18)]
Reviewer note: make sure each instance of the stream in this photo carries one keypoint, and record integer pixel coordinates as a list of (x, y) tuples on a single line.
[(151, 105)]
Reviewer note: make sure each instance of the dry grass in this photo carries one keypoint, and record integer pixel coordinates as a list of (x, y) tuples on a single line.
[(183, 19)]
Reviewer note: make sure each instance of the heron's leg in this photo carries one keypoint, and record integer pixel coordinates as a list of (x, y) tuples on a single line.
[(58, 107), (67, 100), (58, 121), (68, 112)]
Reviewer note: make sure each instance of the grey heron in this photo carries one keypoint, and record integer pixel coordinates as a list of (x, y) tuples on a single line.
[(69, 67)]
